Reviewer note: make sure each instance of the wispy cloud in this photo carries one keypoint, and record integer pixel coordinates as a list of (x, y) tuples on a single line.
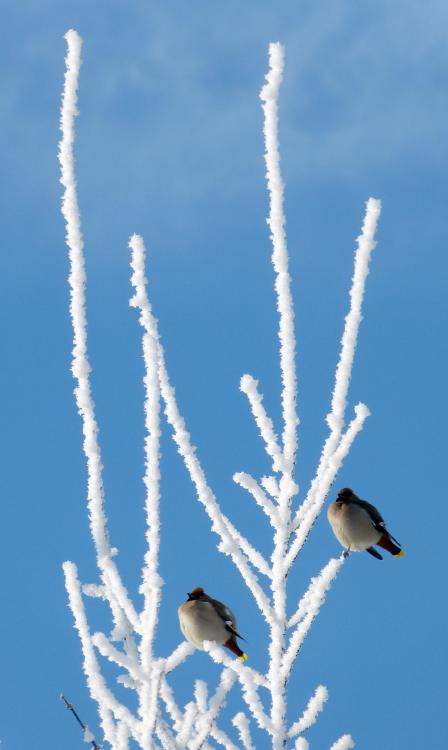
[(176, 89)]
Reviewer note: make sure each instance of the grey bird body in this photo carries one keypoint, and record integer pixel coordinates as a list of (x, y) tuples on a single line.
[(352, 526), (199, 622), (358, 525), (202, 618)]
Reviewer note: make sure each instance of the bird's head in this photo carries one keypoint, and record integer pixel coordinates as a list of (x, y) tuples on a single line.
[(196, 594), (345, 495)]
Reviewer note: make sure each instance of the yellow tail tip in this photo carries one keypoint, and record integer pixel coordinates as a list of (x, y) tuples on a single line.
[(244, 657), (400, 553)]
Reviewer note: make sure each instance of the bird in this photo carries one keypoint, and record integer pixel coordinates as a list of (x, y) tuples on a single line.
[(202, 618), (358, 525)]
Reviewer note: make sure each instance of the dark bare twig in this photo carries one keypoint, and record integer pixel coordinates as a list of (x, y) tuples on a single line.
[(83, 726)]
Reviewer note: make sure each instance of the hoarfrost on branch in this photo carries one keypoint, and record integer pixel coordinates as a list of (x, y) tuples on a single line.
[(159, 721)]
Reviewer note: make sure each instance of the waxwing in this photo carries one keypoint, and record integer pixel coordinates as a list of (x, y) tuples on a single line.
[(202, 618), (358, 525)]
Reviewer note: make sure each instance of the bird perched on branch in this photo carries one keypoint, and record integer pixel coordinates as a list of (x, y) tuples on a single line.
[(202, 619), (358, 525)]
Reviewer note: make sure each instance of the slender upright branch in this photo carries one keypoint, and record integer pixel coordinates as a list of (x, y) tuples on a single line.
[(276, 221), (80, 363), (288, 488), (77, 280)]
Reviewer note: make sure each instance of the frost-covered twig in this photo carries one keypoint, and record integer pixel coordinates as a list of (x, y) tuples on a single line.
[(249, 386), (215, 704), (366, 244), (343, 743), (167, 696), (253, 555), (221, 657), (241, 722), (250, 681), (182, 652), (312, 602), (251, 485), (309, 716), (106, 649), (122, 737), (222, 739), (108, 706)]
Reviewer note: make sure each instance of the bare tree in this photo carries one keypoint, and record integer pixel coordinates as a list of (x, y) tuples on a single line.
[(160, 722)]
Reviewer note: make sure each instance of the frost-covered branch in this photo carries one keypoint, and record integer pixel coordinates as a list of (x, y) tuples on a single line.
[(249, 386), (108, 706), (241, 722), (77, 277), (152, 582), (313, 709), (182, 652), (335, 419), (251, 485), (287, 486), (221, 657), (215, 704), (343, 743), (366, 245), (276, 222), (113, 585), (106, 649), (253, 555), (308, 609), (222, 739), (250, 681)]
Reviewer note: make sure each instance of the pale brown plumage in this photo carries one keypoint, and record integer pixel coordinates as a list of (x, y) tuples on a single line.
[(202, 618)]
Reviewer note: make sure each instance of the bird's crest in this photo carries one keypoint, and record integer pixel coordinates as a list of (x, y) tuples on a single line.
[(345, 494), (196, 593)]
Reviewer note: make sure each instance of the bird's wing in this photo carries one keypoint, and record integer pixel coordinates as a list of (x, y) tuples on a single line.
[(376, 518), (374, 514), (227, 616)]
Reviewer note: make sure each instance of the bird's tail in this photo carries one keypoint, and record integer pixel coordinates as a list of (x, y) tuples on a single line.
[(232, 645), (386, 543)]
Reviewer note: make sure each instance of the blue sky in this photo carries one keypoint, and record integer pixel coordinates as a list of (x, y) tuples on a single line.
[(169, 144)]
